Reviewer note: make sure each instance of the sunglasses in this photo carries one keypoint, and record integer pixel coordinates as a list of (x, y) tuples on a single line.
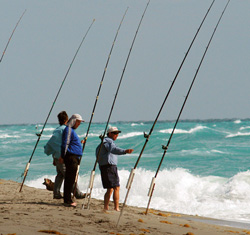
[(115, 133)]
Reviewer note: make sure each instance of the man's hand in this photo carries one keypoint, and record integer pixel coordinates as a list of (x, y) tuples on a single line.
[(129, 150), (61, 160)]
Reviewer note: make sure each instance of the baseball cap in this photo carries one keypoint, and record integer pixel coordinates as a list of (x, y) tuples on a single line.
[(113, 129), (77, 117)]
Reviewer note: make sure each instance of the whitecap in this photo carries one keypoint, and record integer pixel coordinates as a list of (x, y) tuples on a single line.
[(238, 134), (181, 131), (245, 127), (4, 136), (129, 135), (137, 124)]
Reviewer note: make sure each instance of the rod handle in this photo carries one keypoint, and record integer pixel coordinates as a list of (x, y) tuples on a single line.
[(151, 187), (130, 179)]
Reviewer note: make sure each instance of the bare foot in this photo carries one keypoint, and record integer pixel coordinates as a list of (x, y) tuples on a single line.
[(117, 209)]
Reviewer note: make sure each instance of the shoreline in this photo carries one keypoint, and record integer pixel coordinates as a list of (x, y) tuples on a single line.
[(221, 222), (34, 211)]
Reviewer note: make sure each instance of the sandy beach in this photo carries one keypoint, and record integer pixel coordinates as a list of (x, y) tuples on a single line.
[(34, 211)]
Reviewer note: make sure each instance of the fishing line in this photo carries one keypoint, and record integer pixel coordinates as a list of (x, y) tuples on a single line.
[(147, 136), (11, 36), (40, 134), (97, 97), (102, 136), (165, 147)]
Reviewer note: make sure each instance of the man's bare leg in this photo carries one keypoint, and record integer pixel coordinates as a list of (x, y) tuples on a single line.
[(107, 198), (116, 196)]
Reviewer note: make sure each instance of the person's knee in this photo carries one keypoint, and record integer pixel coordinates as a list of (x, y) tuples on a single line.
[(109, 191), (117, 188)]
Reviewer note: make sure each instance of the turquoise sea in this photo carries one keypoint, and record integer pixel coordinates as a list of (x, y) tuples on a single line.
[(205, 171)]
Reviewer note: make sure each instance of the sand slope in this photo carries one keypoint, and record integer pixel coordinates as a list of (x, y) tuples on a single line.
[(35, 210)]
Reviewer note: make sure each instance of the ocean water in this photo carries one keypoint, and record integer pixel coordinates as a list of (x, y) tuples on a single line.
[(205, 171)]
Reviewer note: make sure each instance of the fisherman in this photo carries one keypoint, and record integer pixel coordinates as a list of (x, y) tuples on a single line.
[(107, 161), (53, 147), (71, 151)]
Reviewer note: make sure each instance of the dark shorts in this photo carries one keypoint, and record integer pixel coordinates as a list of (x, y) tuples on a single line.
[(110, 177)]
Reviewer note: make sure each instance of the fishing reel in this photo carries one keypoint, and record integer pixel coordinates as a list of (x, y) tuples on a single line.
[(101, 137), (164, 147), (146, 135)]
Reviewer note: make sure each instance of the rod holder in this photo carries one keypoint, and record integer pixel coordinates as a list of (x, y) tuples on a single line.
[(91, 181), (26, 169), (77, 171), (151, 187), (130, 179)]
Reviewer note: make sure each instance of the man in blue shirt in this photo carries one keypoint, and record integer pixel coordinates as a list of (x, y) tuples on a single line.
[(106, 154), (71, 151)]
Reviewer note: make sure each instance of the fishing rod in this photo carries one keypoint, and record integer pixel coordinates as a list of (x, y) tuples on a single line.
[(97, 97), (11, 36), (147, 136), (102, 136), (165, 147), (40, 134)]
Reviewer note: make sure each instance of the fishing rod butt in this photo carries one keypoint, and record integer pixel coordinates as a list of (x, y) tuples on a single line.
[(24, 175), (20, 190), (89, 199), (150, 193), (91, 183), (118, 221), (126, 197)]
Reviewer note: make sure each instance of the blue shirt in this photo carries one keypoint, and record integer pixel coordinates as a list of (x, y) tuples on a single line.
[(53, 146), (109, 152), (71, 143)]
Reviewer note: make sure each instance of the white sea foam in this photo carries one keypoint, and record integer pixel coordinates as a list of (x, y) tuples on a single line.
[(137, 124), (49, 129), (180, 191), (90, 135), (245, 127), (200, 152), (180, 131), (5, 136), (129, 135), (237, 121), (217, 151), (238, 134)]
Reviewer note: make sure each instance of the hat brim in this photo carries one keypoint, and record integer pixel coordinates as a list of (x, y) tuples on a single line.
[(115, 131)]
